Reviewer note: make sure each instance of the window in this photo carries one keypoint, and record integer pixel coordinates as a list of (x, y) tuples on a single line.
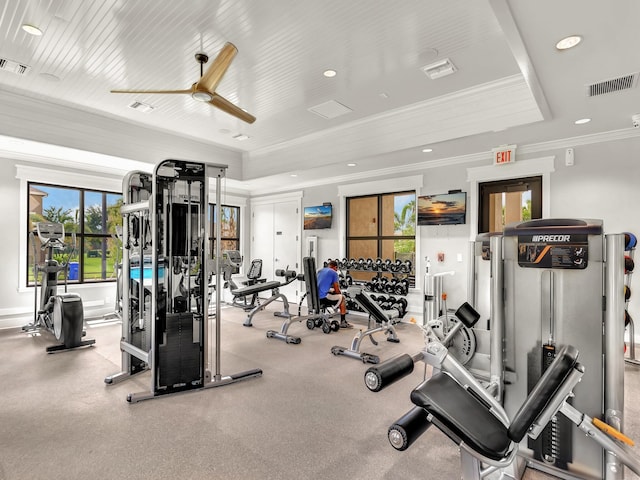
[(89, 217), (382, 226), (230, 228), (508, 201)]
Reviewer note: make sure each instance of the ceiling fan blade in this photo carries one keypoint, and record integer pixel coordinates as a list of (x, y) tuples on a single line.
[(152, 91), (226, 106), (218, 68)]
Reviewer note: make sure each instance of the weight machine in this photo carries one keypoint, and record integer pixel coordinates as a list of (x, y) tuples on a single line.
[(59, 313), (166, 328)]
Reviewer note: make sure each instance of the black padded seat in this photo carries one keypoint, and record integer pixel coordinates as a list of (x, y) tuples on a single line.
[(466, 419), (461, 416)]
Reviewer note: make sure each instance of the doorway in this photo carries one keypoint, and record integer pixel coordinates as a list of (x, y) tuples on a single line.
[(507, 201)]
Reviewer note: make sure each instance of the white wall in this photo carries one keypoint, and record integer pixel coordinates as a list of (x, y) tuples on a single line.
[(328, 238), (17, 301), (602, 184)]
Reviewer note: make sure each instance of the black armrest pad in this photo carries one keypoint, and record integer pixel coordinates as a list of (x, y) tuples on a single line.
[(543, 391)]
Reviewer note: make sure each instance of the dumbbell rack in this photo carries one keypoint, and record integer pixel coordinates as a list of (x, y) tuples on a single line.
[(630, 247), (389, 290)]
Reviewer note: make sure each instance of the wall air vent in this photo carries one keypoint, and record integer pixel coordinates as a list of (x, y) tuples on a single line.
[(14, 67), (613, 85)]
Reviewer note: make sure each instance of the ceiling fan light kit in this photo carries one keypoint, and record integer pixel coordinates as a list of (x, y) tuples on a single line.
[(204, 89)]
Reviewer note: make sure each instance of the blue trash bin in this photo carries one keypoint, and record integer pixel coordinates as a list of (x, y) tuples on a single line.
[(73, 270)]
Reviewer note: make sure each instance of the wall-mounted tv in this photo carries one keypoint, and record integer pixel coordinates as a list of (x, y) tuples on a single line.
[(443, 209), (317, 217)]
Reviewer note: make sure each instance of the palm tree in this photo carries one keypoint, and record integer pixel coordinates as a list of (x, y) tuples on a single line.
[(405, 221)]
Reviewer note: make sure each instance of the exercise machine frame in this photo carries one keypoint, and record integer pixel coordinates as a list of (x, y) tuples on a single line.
[(61, 314), (178, 352)]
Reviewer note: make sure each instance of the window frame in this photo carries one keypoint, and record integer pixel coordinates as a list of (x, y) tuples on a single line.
[(81, 235), (212, 227), (380, 237)]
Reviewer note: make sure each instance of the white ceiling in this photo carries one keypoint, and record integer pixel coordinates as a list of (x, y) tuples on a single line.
[(511, 86)]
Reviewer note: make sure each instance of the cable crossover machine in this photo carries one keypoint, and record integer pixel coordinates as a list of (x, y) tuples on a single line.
[(166, 268)]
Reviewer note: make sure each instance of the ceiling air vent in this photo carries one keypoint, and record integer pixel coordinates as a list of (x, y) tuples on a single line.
[(614, 85), (330, 109), (13, 67), (141, 107)]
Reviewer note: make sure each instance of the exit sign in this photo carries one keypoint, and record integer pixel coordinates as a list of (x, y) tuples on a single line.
[(504, 155)]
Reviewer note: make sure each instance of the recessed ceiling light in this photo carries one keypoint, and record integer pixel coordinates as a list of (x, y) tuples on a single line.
[(568, 42), (330, 73), (582, 121), (241, 136), (351, 164), (294, 174), (31, 29), (427, 150), (384, 95)]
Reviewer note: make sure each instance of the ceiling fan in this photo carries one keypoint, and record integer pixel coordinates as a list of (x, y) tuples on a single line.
[(204, 89)]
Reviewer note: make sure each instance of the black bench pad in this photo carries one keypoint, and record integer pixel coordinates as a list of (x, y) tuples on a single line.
[(372, 308), (463, 417), (257, 288)]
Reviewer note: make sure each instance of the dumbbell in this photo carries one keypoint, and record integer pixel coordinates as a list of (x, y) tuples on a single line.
[(390, 286), (627, 292), (369, 264), (407, 266), (627, 318), (378, 264), (401, 287), (401, 306), (628, 264), (344, 263), (387, 265), (353, 264), (361, 264), (629, 241)]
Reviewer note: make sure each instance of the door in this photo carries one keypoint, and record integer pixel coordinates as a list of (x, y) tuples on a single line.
[(275, 238), (286, 246)]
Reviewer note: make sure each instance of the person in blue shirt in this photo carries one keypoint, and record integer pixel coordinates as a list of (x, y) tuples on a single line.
[(329, 291)]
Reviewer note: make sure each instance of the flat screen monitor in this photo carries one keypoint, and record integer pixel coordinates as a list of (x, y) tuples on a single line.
[(317, 217), (443, 209)]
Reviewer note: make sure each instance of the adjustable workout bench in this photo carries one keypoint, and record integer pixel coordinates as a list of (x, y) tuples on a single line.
[(384, 322), (316, 316), (454, 401), (274, 286), (253, 278)]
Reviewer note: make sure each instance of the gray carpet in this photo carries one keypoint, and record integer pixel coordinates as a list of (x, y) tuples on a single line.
[(308, 417)]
